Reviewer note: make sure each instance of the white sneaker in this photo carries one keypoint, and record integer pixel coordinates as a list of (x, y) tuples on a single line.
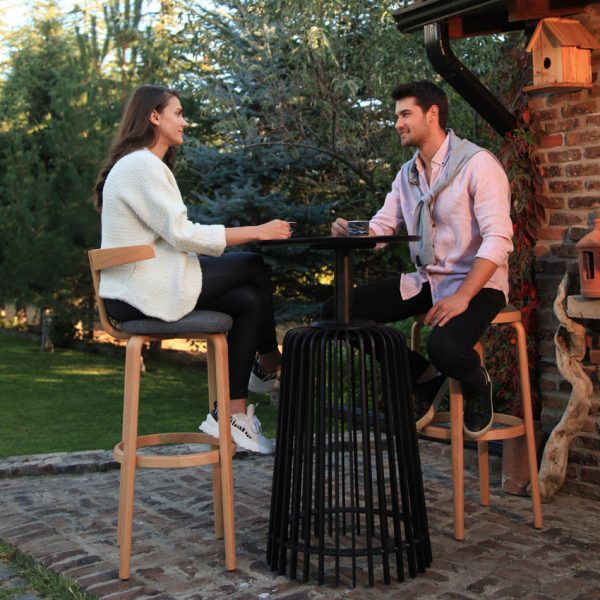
[(210, 425), (260, 381), (247, 433)]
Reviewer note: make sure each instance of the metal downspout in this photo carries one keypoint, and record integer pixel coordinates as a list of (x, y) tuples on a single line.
[(463, 81)]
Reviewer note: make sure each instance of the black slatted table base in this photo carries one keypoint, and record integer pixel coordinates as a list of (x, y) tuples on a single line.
[(347, 488)]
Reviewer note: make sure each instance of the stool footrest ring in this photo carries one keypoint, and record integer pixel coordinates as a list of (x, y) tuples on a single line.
[(173, 461), (504, 427)]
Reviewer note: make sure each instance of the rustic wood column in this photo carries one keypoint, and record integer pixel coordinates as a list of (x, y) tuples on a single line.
[(570, 350)]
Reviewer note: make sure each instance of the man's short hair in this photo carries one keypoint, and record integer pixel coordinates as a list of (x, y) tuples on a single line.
[(426, 94)]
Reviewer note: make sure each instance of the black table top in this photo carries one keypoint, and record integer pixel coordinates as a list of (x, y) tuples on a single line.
[(354, 241), (343, 248)]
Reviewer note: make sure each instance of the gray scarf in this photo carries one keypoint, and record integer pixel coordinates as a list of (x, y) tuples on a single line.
[(459, 152)]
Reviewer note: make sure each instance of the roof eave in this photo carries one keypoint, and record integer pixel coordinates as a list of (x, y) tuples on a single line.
[(416, 16)]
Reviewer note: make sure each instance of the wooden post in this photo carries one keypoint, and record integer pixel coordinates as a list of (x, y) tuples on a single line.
[(47, 343)]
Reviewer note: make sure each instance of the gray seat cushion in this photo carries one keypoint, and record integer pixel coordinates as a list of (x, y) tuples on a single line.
[(198, 321)]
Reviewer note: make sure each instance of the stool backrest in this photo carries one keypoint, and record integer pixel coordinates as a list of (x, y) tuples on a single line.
[(104, 258)]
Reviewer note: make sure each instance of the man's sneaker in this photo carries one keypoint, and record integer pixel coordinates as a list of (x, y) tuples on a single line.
[(261, 382), (246, 432), (210, 425), (478, 410), (428, 396)]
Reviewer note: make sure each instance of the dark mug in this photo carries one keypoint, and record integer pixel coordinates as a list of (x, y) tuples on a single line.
[(358, 227)]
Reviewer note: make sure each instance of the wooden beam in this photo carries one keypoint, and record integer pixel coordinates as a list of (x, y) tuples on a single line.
[(511, 16), (464, 27), (522, 10)]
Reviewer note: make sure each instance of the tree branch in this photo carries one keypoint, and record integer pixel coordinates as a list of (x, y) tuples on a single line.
[(357, 170)]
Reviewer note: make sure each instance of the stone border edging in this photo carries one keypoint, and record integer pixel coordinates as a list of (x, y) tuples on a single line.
[(57, 463)]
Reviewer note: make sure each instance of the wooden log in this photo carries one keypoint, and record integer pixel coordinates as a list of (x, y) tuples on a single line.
[(570, 350)]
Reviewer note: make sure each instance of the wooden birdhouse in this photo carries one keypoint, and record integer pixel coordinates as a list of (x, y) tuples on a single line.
[(561, 50)]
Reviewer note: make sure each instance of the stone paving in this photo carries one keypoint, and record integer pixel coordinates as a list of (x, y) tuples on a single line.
[(12, 585), (67, 520)]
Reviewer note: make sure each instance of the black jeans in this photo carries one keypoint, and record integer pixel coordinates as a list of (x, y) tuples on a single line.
[(450, 348), (238, 284)]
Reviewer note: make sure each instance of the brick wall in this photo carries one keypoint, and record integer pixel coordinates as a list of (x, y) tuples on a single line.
[(569, 152)]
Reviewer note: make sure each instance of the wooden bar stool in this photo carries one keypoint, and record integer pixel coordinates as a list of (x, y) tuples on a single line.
[(504, 426), (199, 324)]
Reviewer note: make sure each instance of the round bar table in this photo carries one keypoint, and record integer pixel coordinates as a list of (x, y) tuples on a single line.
[(347, 491)]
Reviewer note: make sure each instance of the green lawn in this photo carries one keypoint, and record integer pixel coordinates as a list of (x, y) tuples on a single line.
[(70, 400)]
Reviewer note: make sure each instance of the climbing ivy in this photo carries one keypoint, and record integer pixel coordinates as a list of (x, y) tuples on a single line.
[(517, 155)]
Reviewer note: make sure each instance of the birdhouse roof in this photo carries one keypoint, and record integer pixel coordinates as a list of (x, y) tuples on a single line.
[(564, 32)]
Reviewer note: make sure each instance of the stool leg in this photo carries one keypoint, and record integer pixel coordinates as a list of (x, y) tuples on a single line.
[(222, 380), (458, 459), (216, 469), (528, 420), (457, 441), (415, 336), (130, 426), (211, 372), (483, 459)]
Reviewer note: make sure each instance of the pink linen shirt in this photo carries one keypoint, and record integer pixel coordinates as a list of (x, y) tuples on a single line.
[(472, 220)]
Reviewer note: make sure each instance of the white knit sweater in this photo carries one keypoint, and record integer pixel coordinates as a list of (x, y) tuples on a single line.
[(142, 205)]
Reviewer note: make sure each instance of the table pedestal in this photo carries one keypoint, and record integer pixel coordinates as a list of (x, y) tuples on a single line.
[(347, 487)]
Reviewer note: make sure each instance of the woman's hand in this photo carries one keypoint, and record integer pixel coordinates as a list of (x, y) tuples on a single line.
[(273, 230)]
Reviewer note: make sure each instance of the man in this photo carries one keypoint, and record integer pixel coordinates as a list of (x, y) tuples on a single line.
[(456, 197)]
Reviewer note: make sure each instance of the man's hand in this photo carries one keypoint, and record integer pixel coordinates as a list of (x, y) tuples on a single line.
[(452, 306), (447, 308), (339, 228)]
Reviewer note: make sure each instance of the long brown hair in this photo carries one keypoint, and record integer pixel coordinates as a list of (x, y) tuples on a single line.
[(135, 131)]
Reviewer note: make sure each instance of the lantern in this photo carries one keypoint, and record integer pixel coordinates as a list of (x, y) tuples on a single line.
[(588, 249)]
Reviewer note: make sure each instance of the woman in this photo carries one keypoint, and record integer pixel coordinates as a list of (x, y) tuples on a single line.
[(140, 203)]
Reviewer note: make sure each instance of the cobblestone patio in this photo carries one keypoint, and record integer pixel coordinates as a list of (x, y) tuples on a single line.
[(66, 518)]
